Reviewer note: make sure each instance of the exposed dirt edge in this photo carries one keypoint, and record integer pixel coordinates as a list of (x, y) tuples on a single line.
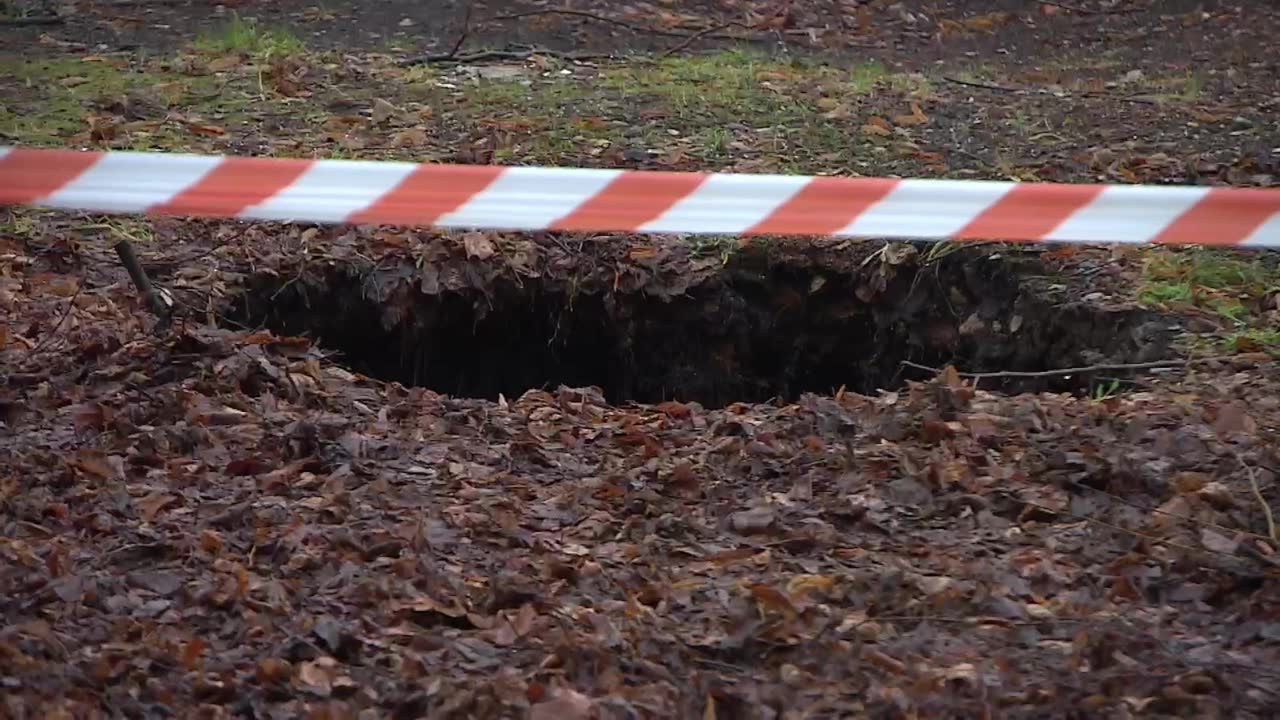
[(767, 324)]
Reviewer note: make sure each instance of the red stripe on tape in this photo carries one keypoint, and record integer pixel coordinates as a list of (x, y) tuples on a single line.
[(233, 186), (427, 194), (1224, 216), (630, 200), (1029, 211), (823, 206), (28, 175)]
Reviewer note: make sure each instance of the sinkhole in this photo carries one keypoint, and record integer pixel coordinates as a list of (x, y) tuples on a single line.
[(754, 328)]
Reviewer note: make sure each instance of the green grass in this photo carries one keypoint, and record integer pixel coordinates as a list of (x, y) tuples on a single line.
[(49, 100), (245, 36), (1229, 285)]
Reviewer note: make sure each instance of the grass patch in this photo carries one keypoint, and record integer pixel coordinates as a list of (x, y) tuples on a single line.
[(1226, 284), (245, 36), (715, 108), (50, 100)]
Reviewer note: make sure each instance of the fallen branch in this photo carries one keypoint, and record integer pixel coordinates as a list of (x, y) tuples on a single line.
[(486, 55), (1262, 501), (1088, 11), (984, 86), (1084, 369), (37, 20), (58, 326), (695, 38), (466, 31), (143, 284), (713, 33)]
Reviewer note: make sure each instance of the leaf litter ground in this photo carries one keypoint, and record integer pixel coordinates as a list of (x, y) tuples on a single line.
[(225, 521)]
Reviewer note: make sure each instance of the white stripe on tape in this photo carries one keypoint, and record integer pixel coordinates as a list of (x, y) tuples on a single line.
[(152, 180), (727, 204), (1127, 214), (331, 191), (524, 198), (927, 208)]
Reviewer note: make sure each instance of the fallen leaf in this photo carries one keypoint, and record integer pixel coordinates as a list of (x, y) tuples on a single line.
[(565, 704), (917, 116), (751, 521), (225, 63), (883, 661), (877, 125), (1234, 418), (383, 111), (152, 504), (203, 129), (413, 137), (1218, 542), (158, 582), (93, 462), (317, 676), (271, 671), (73, 81), (771, 599), (478, 246), (191, 653)]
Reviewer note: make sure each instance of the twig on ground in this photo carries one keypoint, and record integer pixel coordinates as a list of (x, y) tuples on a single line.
[(484, 55), (1088, 11), (984, 86), (143, 284), (695, 38), (1103, 367), (715, 33), (1262, 501), (44, 341), (35, 20), (466, 30)]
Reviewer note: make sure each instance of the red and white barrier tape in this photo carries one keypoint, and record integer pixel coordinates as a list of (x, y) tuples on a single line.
[(533, 198)]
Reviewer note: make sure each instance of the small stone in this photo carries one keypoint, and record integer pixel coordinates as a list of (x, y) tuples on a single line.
[(407, 22)]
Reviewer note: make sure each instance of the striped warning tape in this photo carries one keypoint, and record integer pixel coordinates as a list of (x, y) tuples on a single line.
[(535, 198)]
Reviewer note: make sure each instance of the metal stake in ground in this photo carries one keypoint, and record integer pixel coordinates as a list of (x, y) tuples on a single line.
[(140, 281)]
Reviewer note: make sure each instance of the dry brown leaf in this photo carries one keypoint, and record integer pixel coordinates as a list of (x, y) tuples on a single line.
[(883, 661), (93, 462), (191, 653), (478, 246), (917, 116), (1234, 418), (877, 125), (152, 504), (225, 63), (1218, 542), (769, 599), (271, 671), (383, 111), (413, 137), (211, 542), (203, 129), (752, 521), (564, 704), (317, 676)]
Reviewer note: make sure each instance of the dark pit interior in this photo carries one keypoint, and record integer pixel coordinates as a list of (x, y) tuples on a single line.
[(759, 330)]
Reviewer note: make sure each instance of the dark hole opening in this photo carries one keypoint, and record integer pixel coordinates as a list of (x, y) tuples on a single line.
[(756, 332)]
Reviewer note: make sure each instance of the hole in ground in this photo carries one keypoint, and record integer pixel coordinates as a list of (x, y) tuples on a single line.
[(764, 327)]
